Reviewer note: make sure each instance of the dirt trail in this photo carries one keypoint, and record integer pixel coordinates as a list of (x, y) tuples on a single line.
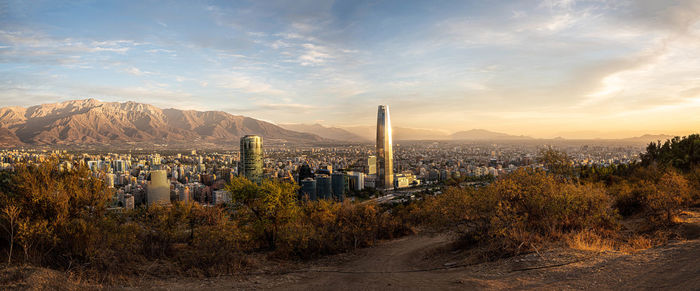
[(421, 263), (675, 266)]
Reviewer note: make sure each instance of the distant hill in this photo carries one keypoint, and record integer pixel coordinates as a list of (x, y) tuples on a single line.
[(333, 133), (647, 138), (91, 121), (482, 134), (399, 133)]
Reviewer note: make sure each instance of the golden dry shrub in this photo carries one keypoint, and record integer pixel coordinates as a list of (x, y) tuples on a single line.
[(665, 199), (217, 244), (58, 211), (328, 227), (526, 208)]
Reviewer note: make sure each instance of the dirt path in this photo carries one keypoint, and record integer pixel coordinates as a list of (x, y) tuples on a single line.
[(423, 262), (392, 266), (676, 266)]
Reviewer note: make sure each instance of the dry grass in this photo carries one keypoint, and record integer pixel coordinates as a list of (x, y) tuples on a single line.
[(587, 240), (638, 243)]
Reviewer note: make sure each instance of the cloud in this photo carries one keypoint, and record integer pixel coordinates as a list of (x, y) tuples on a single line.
[(313, 55), (25, 46), (286, 106), (245, 84), (137, 72)]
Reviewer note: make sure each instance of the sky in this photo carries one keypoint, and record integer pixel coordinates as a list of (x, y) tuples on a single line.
[(539, 68)]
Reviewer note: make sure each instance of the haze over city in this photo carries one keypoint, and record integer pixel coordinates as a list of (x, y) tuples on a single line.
[(576, 69)]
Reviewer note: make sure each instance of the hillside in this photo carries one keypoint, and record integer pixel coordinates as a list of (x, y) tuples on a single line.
[(90, 121), (333, 133), (481, 134)]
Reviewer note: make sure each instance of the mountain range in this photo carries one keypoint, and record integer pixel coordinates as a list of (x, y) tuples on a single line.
[(91, 121), (334, 133)]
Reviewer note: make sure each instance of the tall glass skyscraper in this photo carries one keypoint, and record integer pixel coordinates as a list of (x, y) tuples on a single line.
[(385, 156), (251, 158)]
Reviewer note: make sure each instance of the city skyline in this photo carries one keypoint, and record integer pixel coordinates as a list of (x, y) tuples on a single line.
[(542, 69)]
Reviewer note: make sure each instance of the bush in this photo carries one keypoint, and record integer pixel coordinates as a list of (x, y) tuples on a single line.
[(526, 208), (59, 219), (327, 227), (657, 195), (665, 200)]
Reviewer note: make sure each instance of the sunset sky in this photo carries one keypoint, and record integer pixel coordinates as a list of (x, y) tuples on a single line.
[(550, 68)]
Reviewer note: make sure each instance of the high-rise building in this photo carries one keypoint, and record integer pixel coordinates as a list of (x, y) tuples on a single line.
[(356, 181), (338, 185), (385, 156), (372, 165), (159, 188), (251, 158), (308, 188), (323, 186), (120, 166)]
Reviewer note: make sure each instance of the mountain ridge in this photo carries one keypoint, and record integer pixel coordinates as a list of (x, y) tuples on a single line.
[(329, 132), (90, 121)]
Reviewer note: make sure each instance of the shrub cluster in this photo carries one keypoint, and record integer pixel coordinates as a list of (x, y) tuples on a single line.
[(60, 219), (524, 209), (658, 195)]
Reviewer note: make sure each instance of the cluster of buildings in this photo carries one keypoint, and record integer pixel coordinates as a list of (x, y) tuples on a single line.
[(322, 172)]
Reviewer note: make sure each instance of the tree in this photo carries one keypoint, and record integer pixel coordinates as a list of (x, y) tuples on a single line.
[(680, 153), (265, 207), (11, 215), (668, 196), (556, 162)]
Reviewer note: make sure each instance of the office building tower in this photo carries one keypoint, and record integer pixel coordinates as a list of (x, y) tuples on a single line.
[(120, 166), (184, 194), (338, 186), (308, 188), (356, 181), (251, 158), (372, 165), (159, 188), (323, 186), (385, 157)]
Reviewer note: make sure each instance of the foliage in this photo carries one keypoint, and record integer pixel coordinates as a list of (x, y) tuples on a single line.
[(680, 153), (527, 207), (59, 219), (556, 162), (264, 208), (53, 205)]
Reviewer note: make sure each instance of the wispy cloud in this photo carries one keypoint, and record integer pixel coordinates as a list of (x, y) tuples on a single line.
[(242, 83)]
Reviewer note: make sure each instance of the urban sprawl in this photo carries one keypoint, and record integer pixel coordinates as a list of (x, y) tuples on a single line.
[(390, 172)]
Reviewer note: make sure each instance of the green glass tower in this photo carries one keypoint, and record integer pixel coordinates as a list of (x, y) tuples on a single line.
[(251, 158)]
